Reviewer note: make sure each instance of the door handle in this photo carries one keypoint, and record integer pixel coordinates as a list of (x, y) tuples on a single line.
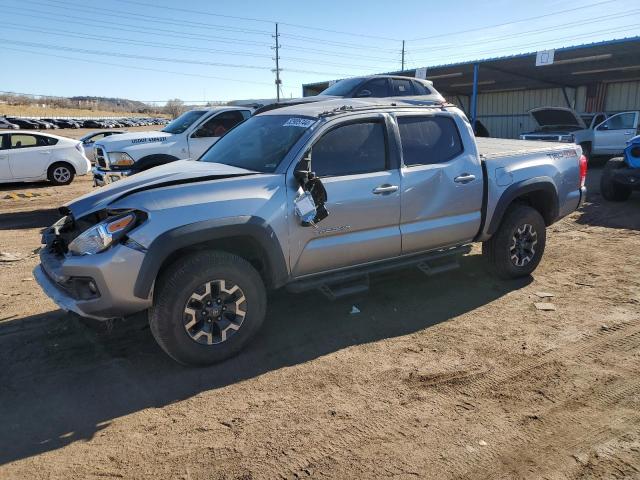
[(628, 133), (386, 188), (464, 178), (45, 153)]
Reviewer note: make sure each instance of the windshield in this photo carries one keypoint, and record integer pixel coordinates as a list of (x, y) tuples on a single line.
[(342, 88), (260, 143), (184, 121)]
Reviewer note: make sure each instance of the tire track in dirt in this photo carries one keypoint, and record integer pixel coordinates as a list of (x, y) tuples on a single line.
[(340, 446)]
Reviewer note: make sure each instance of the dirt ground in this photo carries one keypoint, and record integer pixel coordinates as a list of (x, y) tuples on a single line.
[(456, 376)]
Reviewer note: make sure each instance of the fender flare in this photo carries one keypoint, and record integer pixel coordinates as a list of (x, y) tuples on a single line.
[(153, 160), (196, 233), (524, 187)]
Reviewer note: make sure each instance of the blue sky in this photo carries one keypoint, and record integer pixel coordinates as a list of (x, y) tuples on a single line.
[(199, 50)]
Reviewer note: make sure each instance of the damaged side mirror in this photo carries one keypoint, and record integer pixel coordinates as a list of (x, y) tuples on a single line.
[(310, 202)]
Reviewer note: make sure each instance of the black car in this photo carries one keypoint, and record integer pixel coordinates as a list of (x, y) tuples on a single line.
[(94, 124), (24, 123)]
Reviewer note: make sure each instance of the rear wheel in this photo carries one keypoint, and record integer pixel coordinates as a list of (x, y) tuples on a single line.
[(207, 307), (60, 173), (610, 190), (516, 249)]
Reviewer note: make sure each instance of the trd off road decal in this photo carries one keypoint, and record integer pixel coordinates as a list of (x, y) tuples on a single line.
[(562, 154)]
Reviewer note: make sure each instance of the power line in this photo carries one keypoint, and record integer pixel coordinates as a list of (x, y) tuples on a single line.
[(149, 69), (148, 18), (187, 36), (138, 29), (187, 48), (622, 28), (528, 32), (552, 14), (155, 19), (156, 59), (296, 25)]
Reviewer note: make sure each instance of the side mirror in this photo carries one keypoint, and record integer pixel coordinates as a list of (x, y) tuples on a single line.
[(604, 126), (364, 93), (87, 142), (302, 171)]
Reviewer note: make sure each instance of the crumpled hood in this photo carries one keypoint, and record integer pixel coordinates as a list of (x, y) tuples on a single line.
[(181, 171), (134, 138)]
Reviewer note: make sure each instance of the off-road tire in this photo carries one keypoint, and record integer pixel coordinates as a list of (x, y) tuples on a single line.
[(518, 221), (61, 173), (175, 287), (614, 192)]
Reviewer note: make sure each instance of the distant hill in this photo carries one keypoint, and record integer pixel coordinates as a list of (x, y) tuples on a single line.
[(122, 104)]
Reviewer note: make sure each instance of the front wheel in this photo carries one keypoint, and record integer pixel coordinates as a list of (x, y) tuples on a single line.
[(207, 307), (516, 249)]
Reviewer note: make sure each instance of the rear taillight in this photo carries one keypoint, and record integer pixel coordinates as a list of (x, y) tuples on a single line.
[(583, 170)]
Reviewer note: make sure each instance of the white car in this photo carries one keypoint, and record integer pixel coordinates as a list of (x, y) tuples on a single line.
[(31, 157)]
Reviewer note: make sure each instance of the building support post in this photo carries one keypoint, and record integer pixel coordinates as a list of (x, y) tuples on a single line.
[(566, 97), (474, 97)]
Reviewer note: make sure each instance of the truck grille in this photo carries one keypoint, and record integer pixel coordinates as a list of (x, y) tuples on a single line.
[(101, 158)]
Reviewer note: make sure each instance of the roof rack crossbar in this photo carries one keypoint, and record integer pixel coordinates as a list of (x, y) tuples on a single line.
[(351, 109)]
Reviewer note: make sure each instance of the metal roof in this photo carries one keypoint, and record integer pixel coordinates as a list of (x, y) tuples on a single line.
[(607, 61)]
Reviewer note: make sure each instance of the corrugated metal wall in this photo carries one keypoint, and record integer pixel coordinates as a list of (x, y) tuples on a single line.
[(505, 113), (622, 96)]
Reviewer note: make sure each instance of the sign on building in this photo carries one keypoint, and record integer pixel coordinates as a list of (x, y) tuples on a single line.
[(544, 57)]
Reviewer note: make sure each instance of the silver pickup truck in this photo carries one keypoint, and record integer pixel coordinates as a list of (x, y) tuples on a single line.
[(315, 196)]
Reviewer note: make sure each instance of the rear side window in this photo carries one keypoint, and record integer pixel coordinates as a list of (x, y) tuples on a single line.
[(220, 124), (402, 87), (420, 88), (350, 150), (429, 140), (378, 87)]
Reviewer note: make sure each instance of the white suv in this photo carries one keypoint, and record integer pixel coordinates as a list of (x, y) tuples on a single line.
[(30, 157)]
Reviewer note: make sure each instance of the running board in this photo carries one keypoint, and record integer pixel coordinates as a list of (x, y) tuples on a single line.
[(356, 280)]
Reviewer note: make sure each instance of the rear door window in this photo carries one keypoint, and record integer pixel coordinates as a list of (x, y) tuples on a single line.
[(429, 140), (351, 149), (21, 140), (402, 87)]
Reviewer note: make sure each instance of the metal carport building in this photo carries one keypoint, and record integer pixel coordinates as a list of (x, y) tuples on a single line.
[(602, 76)]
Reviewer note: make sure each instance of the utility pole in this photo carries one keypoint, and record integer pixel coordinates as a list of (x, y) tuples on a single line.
[(277, 59), (403, 55)]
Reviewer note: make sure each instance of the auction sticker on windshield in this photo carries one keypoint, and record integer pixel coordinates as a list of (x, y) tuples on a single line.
[(299, 122)]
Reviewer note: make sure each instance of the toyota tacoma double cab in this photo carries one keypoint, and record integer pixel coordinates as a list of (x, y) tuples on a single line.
[(186, 137), (314, 196)]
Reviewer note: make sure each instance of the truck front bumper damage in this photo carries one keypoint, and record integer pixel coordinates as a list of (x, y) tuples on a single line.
[(103, 177), (93, 286)]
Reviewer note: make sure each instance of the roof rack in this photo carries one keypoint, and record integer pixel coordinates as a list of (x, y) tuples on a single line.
[(376, 106)]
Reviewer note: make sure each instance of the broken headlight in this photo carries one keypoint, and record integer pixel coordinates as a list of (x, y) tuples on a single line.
[(101, 236)]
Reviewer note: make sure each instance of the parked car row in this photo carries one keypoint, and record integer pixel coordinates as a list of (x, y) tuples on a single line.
[(55, 123)]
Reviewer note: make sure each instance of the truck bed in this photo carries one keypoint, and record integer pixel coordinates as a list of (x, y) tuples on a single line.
[(502, 147)]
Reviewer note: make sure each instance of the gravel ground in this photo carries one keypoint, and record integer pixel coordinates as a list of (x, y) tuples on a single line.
[(456, 376)]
